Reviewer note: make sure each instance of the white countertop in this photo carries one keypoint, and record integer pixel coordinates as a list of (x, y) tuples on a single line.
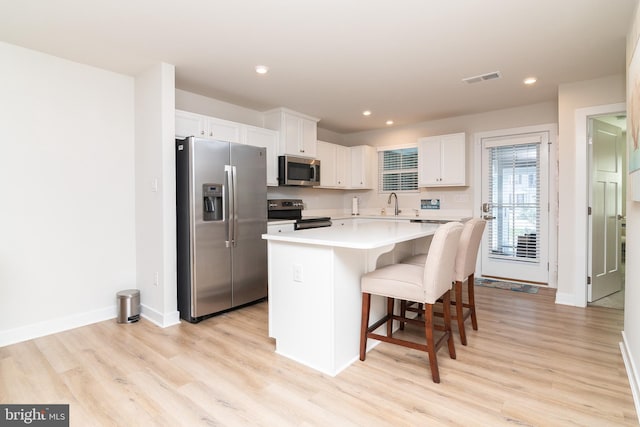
[(359, 233)]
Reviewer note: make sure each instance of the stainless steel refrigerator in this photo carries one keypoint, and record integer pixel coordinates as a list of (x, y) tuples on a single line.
[(221, 208)]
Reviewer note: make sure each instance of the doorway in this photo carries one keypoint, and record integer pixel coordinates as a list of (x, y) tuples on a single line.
[(517, 198), (607, 165)]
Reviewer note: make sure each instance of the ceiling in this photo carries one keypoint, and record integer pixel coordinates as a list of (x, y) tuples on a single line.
[(331, 59)]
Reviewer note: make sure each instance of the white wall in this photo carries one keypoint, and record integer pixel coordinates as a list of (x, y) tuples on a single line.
[(67, 238), (631, 335), (155, 194), (572, 184)]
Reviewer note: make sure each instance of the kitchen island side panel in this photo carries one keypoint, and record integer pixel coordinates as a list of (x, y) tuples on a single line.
[(314, 313)]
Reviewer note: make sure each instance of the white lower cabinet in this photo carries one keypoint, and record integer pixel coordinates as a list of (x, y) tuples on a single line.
[(279, 228)]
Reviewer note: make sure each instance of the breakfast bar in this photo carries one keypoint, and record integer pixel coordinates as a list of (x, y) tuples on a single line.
[(314, 285)]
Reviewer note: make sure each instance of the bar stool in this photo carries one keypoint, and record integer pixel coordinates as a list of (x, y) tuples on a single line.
[(464, 270), (423, 284)]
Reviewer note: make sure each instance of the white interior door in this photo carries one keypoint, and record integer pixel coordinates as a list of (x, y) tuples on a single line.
[(606, 208), (515, 201)]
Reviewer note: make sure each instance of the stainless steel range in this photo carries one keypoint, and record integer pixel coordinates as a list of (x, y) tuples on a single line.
[(291, 209)]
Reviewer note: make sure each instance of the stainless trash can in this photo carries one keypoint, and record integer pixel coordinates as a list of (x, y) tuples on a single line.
[(128, 306)]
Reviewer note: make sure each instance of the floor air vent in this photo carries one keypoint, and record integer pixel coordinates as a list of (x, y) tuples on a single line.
[(483, 77)]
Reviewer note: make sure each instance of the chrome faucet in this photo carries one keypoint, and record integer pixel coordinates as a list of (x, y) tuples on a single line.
[(396, 210)]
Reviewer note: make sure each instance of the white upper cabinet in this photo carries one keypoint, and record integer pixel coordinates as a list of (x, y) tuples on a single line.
[(363, 162), (334, 161), (343, 162), (442, 161), (192, 124), (298, 132), (267, 138)]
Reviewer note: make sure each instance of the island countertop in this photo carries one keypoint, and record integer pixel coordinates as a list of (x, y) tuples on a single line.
[(357, 233)]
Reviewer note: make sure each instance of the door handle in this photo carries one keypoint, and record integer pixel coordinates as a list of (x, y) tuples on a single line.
[(229, 209), (234, 179), (488, 217), (620, 217)]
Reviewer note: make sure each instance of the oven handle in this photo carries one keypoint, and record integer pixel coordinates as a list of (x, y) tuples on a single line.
[(311, 224)]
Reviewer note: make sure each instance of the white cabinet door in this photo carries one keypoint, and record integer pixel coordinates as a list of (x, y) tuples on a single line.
[(429, 161), (189, 124), (223, 130), (298, 133), (326, 153), (334, 165), (291, 135), (343, 163), (442, 161), (362, 166), (267, 138), (192, 124), (308, 137)]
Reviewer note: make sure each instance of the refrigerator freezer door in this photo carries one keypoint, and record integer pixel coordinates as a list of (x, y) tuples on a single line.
[(211, 259), (250, 250)]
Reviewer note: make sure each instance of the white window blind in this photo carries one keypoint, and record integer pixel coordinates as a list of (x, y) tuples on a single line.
[(398, 169), (514, 198)]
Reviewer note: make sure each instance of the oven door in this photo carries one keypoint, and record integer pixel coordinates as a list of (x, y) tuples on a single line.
[(298, 171)]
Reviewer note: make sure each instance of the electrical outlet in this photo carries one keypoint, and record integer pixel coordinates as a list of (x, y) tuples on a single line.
[(297, 273), (156, 279)]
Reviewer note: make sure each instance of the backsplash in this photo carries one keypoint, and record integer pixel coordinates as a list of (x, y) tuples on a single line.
[(457, 201)]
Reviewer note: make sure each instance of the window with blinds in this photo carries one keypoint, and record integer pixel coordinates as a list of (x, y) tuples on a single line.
[(514, 198), (398, 169)]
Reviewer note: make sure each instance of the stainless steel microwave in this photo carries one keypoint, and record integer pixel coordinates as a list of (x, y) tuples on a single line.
[(298, 171)]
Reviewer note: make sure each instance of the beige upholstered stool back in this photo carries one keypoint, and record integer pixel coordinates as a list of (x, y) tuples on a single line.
[(468, 248)]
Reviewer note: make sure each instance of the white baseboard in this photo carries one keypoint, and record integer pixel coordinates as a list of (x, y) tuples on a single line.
[(632, 372), (160, 319), (48, 327), (52, 326)]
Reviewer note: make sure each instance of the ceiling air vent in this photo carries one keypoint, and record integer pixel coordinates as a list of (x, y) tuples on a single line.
[(483, 77)]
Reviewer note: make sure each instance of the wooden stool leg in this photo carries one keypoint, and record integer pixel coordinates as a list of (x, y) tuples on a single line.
[(366, 305), (431, 350), (403, 313), (459, 313), (446, 312), (390, 302), (472, 301)]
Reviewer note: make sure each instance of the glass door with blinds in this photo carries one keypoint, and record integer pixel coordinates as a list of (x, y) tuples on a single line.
[(515, 204)]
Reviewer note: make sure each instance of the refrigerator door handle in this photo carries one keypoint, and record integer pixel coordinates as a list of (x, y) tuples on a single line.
[(228, 200), (234, 179)]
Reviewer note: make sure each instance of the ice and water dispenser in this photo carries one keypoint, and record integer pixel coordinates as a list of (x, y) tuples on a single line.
[(212, 202)]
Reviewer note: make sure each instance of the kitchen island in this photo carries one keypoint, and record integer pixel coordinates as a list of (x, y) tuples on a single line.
[(314, 285)]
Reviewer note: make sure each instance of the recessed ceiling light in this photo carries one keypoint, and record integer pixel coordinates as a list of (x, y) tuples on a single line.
[(262, 69), (389, 122), (366, 113), (530, 80)]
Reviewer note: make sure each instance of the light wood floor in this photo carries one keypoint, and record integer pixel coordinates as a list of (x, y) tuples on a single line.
[(531, 363)]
